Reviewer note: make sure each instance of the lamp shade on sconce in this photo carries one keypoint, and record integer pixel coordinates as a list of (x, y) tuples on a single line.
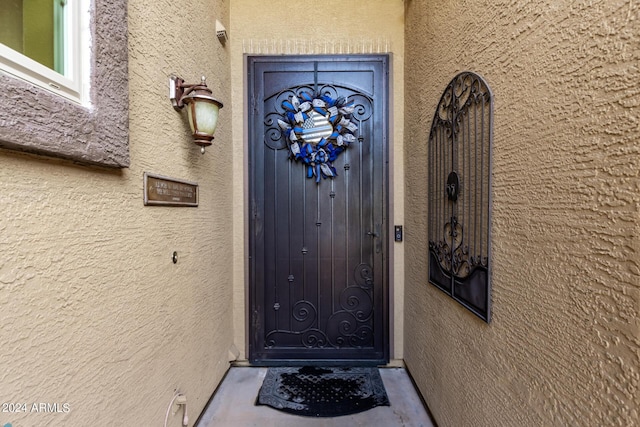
[(202, 108), (203, 118)]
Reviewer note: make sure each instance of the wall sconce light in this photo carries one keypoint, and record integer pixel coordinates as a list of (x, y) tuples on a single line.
[(202, 108)]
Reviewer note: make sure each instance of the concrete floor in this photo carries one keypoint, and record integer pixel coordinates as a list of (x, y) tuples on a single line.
[(234, 405)]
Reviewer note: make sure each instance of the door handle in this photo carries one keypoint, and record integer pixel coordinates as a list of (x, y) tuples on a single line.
[(376, 234)]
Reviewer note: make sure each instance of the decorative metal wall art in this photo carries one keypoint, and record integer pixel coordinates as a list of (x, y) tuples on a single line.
[(317, 130), (459, 193)]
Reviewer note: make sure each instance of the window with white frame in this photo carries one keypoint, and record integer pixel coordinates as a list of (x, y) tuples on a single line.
[(45, 42), (64, 79)]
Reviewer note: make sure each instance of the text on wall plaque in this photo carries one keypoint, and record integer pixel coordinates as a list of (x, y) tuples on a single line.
[(163, 191)]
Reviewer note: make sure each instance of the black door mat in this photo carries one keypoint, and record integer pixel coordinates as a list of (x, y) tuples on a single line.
[(322, 391)]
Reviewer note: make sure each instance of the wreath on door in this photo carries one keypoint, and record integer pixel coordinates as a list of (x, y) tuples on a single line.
[(317, 129)]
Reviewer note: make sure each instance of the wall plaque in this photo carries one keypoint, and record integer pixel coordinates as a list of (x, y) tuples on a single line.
[(163, 191)]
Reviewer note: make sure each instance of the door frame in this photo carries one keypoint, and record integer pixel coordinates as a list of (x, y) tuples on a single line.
[(387, 296)]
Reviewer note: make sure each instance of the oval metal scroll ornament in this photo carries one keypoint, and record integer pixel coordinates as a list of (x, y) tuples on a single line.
[(317, 129)]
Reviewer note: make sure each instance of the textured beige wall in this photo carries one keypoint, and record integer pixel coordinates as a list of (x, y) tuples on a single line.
[(93, 311), (326, 27), (564, 344)]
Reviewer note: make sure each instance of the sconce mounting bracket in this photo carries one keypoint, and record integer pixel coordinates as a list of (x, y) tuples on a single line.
[(176, 91)]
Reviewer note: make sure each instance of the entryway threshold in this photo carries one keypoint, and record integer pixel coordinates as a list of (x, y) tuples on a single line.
[(244, 363), (233, 405)]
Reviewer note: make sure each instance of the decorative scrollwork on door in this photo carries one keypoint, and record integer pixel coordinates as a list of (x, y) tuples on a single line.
[(350, 325), (459, 193)]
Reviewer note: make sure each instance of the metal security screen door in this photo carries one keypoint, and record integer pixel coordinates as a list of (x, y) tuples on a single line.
[(318, 200)]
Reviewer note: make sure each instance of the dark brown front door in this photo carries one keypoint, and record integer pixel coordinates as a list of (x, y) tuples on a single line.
[(318, 245)]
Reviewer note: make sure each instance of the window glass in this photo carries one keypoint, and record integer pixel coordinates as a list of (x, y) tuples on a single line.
[(35, 28), (83, 114), (40, 42)]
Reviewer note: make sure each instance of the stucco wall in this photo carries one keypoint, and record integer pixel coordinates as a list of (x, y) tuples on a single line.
[(94, 312), (327, 27), (564, 344)]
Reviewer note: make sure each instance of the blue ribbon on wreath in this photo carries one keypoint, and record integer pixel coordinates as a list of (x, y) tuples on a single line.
[(318, 157)]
